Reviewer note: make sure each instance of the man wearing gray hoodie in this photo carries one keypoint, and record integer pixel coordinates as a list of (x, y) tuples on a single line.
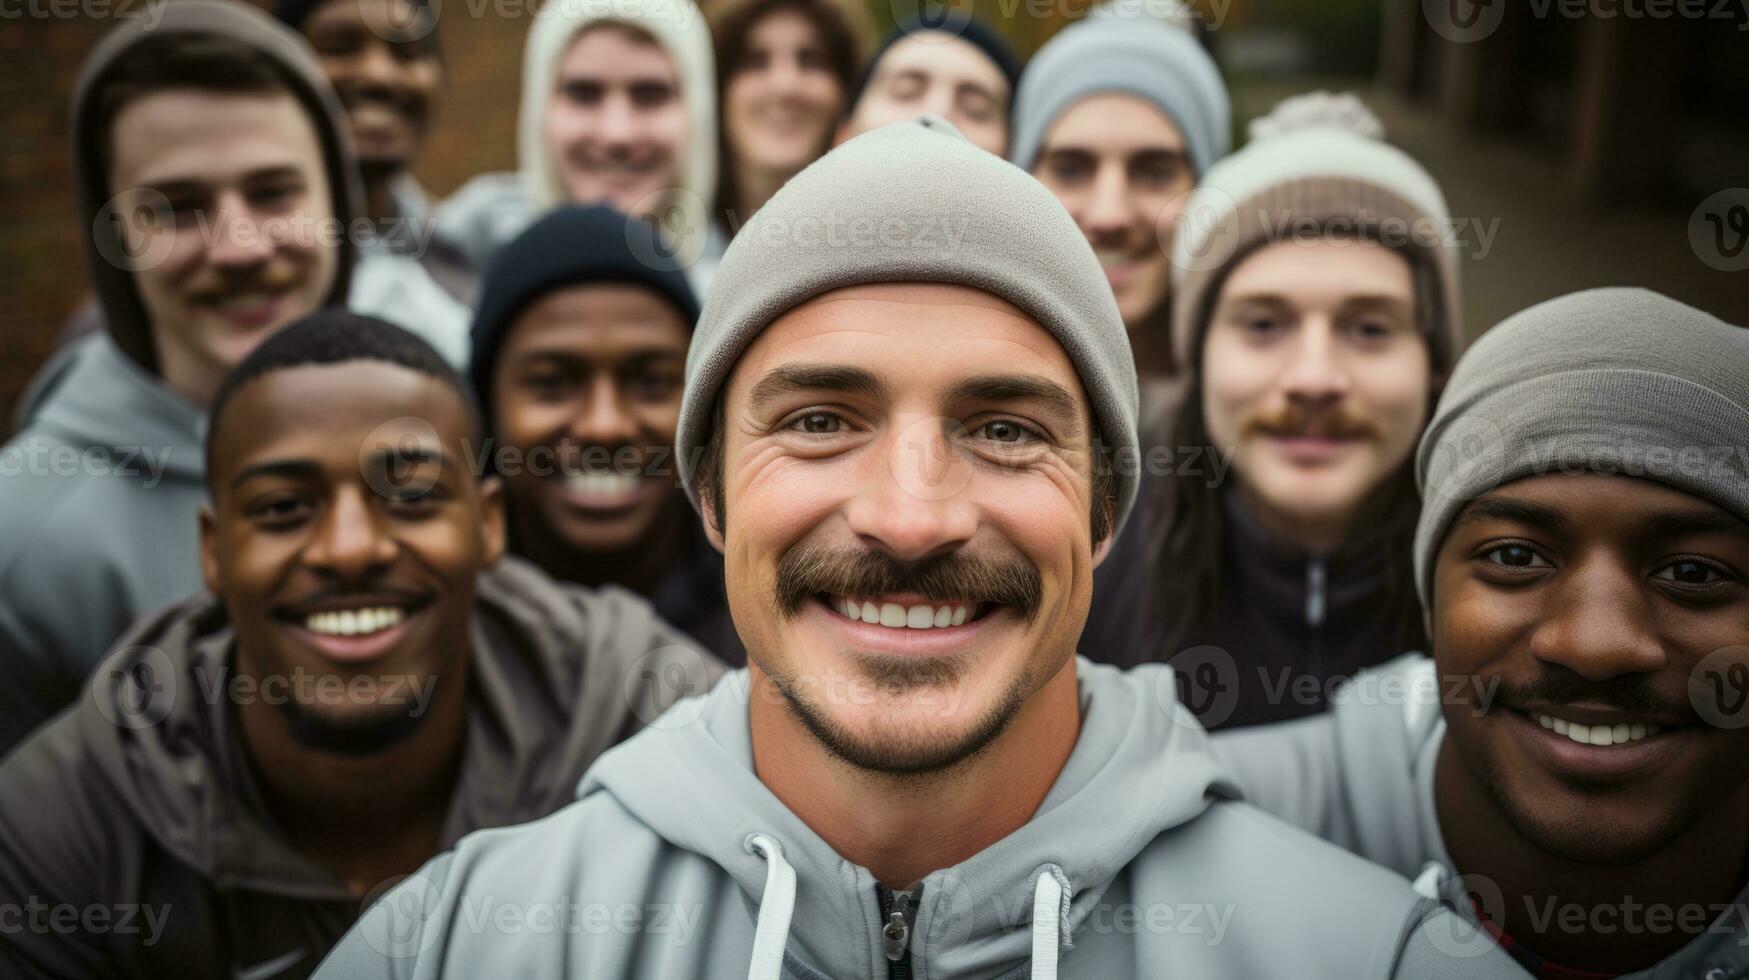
[(1574, 757), (213, 174), (366, 682), (901, 396)]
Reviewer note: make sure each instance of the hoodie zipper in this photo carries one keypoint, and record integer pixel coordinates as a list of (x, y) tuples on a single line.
[(1315, 591), (896, 912)]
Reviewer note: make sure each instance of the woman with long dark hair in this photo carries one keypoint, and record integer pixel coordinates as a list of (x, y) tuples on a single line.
[(785, 69)]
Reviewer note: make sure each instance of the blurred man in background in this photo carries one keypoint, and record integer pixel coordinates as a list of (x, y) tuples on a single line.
[(961, 71), (1316, 313), (383, 59), (579, 357), (619, 107)]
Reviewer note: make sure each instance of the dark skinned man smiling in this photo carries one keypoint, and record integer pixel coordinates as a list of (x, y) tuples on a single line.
[(369, 681)]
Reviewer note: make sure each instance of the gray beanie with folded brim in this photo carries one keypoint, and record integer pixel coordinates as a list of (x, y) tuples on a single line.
[(1129, 55), (915, 202), (1615, 381)]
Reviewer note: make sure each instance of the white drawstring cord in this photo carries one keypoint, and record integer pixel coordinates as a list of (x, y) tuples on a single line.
[(775, 906), (1049, 921)]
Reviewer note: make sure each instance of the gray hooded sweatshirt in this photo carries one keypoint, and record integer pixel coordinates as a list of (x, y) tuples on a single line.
[(100, 488), (676, 861), (1361, 775), (142, 801)]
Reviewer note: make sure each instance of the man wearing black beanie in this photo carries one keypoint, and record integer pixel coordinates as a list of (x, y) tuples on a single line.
[(579, 353), (954, 66)]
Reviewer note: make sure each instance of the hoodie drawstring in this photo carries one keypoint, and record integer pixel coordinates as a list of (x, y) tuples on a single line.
[(775, 906), (1050, 921)]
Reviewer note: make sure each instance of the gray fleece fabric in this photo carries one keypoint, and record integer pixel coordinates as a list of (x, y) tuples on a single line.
[(1361, 775), (916, 202), (1607, 380), (652, 874)]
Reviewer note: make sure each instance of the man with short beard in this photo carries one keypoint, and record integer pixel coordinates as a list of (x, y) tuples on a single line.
[(901, 441), (215, 183), (366, 683), (1573, 756), (1315, 313), (383, 59)]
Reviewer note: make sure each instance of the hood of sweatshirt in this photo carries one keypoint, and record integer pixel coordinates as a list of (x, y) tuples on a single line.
[(681, 30), (104, 401), (977, 918), (545, 698), (124, 312)]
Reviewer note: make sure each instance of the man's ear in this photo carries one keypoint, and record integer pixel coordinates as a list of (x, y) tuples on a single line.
[(1103, 548), (492, 532), (713, 532), (209, 548)]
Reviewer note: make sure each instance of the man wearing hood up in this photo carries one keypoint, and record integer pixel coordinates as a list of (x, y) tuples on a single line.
[(218, 189), (619, 107), (900, 440), (367, 682)]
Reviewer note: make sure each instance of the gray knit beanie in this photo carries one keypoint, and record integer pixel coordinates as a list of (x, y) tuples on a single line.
[(1315, 161), (916, 202), (1132, 55), (1618, 381)]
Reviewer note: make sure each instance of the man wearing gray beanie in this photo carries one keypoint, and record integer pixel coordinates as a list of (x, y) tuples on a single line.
[(1315, 317), (898, 391), (1575, 754), (1120, 115)]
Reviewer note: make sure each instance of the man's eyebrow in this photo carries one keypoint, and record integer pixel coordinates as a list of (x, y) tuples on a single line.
[(289, 468), (1675, 525), (401, 455), (1023, 387), (1522, 511), (792, 378)]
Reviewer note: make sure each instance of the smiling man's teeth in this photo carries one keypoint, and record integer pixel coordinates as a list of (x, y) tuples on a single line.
[(1596, 734), (601, 482), (922, 617), (354, 622)]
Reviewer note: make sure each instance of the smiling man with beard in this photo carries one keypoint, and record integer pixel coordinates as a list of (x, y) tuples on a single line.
[(1315, 313), (366, 683), (1574, 754), (901, 458)]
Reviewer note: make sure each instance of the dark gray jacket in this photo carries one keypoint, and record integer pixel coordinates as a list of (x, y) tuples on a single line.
[(143, 804)]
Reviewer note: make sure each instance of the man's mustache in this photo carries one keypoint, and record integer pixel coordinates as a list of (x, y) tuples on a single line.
[(956, 576), (1295, 419), (1629, 694)]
